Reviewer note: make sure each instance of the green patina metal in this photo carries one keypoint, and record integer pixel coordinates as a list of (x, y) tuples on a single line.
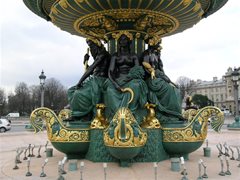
[(98, 152), (153, 151), (207, 152), (73, 150), (125, 108), (95, 147), (67, 13)]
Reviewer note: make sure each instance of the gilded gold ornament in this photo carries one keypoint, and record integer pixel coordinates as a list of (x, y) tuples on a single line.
[(99, 122), (150, 121), (186, 2), (189, 114), (70, 15), (124, 131), (196, 129), (98, 24), (150, 69), (116, 36), (130, 91), (64, 114), (56, 131), (154, 40)]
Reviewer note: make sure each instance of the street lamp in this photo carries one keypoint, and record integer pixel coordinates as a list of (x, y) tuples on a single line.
[(235, 79), (42, 78)]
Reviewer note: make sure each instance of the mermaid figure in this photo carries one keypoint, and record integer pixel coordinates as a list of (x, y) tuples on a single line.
[(162, 91), (125, 87), (88, 92)]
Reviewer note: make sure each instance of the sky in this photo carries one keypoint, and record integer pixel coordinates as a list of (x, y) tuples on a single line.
[(30, 44)]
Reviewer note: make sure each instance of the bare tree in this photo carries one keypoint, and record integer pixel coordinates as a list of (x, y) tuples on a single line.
[(12, 104), (185, 85), (20, 101), (55, 94), (25, 99), (3, 102), (35, 96), (22, 97)]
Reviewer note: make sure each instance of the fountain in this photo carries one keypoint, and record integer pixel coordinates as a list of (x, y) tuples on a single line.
[(125, 108)]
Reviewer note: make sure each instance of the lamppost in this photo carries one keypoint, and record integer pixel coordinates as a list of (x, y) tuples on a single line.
[(42, 78), (235, 79)]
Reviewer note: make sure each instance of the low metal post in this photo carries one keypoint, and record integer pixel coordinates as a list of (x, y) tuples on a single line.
[(29, 150), (227, 163), (200, 169), (15, 161), (81, 170), (238, 151), (219, 147), (184, 172), (60, 177), (204, 171), (155, 166), (19, 152), (105, 170), (28, 167), (25, 154), (226, 150), (62, 164), (221, 172), (46, 146), (39, 150), (43, 174), (232, 152), (33, 146)]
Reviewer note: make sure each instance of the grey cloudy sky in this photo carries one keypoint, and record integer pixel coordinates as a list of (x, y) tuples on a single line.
[(30, 44)]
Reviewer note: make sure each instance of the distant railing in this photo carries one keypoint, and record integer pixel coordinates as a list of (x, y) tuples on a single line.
[(21, 118)]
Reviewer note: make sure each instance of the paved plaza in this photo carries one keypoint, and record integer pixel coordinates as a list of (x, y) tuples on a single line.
[(10, 141)]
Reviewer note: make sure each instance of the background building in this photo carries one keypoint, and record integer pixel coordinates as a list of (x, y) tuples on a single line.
[(220, 91), (230, 101)]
